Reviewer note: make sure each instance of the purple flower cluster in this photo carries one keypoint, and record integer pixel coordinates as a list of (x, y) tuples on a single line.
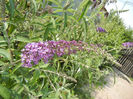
[(34, 52), (100, 29), (128, 44)]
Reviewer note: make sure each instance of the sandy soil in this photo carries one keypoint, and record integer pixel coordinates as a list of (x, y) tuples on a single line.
[(122, 89)]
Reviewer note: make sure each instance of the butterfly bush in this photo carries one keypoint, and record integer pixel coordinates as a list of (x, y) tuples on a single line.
[(128, 44), (37, 51)]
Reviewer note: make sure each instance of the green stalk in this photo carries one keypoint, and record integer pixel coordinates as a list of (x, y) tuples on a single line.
[(85, 29), (65, 19), (84, 10), (3, 4), (8, 42), (2, 9)]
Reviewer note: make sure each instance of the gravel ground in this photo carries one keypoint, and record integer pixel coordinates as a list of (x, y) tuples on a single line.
[(121, 89)]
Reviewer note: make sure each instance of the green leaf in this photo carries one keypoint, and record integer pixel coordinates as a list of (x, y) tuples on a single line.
[(5, 53), (46, 33), (22, 39), (35, 5), (16, 78), (82, 4), (70, 10), (2, 40), (55, 2), (53, 95), (85, 29), (61, 10), (1, 63), (44, 65), (84, 10), (17, 67), (12, 7), (65, 20), (36, 75), (5, 26), (4, 92), (58, 10), (18, 88), (53, 21), (3, 44)]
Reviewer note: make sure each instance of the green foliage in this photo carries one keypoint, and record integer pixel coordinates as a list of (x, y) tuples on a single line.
[(5, 53), (67, 77), (4, 92)]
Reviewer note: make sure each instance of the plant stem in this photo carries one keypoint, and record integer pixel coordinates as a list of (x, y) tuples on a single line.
[(51, 82), (3, 3), (2, 9), (61, 75), (9, 45)]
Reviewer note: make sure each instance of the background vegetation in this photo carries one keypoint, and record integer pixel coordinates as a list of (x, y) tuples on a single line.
[(67, 77)]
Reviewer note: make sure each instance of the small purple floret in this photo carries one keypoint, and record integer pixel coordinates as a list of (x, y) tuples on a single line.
[(100, 29)]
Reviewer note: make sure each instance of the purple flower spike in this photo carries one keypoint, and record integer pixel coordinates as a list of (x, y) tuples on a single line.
[(35, 52), (128, 44), (100, 29)]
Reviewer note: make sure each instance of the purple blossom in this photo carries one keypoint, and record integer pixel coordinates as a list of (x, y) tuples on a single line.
[(35, 52), (128, 44), (100, 29)]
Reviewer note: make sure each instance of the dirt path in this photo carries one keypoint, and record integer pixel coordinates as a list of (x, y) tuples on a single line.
[(122, 89)]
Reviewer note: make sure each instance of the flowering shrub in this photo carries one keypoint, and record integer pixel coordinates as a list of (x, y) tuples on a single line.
[(65, 75), (34, 52)]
